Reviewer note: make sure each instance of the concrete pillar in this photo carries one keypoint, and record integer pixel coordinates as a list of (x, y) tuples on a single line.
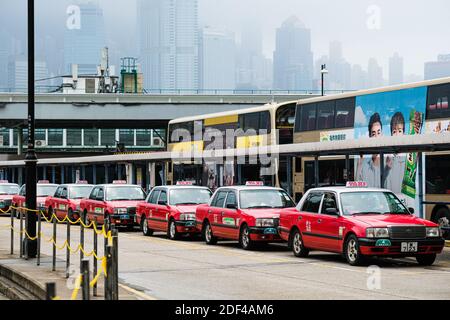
[(53, 175), (316, 171), (94, 174), (62, 174), (106, 173)]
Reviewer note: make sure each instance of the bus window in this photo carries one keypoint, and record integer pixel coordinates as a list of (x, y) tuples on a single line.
[(437, 177), (345, 113), (307, 112), (325, 115)]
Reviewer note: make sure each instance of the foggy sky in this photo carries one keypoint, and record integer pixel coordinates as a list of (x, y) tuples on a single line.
[(418, 30)]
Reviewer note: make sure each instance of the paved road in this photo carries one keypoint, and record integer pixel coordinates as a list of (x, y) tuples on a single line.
[(189, 269)]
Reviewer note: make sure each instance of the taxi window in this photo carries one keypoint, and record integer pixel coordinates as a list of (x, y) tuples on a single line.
[(100, 194), (312, 203), (23, 191), (329, 202), (93, 195), (58, 192), (220, 199), (163, 197), (63, 193), (231, 198), (153, 197)]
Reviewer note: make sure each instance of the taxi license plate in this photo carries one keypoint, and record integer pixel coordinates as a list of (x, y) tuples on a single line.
[(408, 247), (124, 216), (270, 231)]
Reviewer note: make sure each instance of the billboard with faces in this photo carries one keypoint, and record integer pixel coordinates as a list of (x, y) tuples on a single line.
[(400, 112)]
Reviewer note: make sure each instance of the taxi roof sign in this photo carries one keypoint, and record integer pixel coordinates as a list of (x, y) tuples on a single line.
[(254, 183), (43, 181), (119, 182), (184, 183), (4, 181), (356, 184), (82, 182)]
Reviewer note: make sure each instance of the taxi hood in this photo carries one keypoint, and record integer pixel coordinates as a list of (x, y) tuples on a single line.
[(6, 196), (264, 212), (124, 203), (384, 220), (191, 208)]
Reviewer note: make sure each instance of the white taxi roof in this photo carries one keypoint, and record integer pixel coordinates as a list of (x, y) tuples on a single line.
[(8, 184), (182, 187), (348, 189), (239, 188)]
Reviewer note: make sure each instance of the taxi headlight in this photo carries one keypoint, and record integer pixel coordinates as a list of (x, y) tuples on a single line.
[(433, 232), (187, 216), (377, 233), (120, 210), (265, 222)]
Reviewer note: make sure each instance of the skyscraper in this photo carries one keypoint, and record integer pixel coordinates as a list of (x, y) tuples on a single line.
[(395, 69), (293, 58), (374, 74), (5, 51), (439, 68), (83, 43), (18, 73), (217, 59), (168, 43)]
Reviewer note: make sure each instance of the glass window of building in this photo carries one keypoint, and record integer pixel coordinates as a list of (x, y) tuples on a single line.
[(39, 134), (4, 137), (108, 137), (73, 137), (55, 137), (143, 137), (126, 136), (91, 137)]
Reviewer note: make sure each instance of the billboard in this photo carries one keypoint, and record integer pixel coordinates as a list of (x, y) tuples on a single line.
[(391, 113)]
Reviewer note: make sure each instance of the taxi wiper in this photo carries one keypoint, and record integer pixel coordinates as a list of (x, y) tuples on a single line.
[(366, 212), (186, 203), (259, 207)]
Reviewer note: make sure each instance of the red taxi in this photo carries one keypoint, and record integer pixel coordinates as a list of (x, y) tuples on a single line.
[(359, 222), (249, 214), (43, 190), (67, 198), (171, 209), (7, 191), (116, 201)]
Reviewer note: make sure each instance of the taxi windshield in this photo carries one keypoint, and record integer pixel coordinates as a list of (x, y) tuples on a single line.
[(124, 193), (9, 189), (259, 199), (46, 190), (371, 202), (189, 196), (79, 192)]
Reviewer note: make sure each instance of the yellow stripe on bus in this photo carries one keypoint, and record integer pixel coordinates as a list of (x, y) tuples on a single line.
[(251, 141), (221, 120), (186, 146)]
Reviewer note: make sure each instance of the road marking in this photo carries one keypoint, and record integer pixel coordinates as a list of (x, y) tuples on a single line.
[(136, 292)]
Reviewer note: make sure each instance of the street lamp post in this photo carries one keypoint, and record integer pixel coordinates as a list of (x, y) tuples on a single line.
[(30, 246), (323, 71)]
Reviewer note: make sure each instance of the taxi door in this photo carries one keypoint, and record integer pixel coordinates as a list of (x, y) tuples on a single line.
[(215, 213), (329, 223), (230, 216), (307, 220), (161, 211), (62, 203), (151, 211)]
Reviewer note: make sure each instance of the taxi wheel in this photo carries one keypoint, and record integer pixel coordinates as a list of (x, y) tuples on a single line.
[(352, 252), (172, 231), (298, 247), (208, 234), (426, 259), (145, 229), (70, 215), (244, 238)]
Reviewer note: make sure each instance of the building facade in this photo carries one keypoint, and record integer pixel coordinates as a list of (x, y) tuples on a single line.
[(439, 68)]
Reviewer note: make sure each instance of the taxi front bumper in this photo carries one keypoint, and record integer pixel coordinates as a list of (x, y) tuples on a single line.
[(264, 234), (123, 219), (186, 226), (424, 246)]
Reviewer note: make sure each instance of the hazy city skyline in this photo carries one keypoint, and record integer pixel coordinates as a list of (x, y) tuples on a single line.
[(365, 29)]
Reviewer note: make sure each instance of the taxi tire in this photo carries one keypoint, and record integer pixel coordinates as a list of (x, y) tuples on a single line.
[(147, 232), (359, 258), (299, 251), (212, 240), (426, 259), (248, 244), (176, 234)]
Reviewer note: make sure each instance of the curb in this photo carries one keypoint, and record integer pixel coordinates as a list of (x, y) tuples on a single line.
[(16, 281)]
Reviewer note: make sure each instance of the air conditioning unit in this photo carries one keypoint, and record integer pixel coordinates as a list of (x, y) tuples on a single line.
[(157, 142), (40, 143)]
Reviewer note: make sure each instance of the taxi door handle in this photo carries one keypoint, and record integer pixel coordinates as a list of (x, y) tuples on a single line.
[(222, 213), (319, 220), (209, 211)]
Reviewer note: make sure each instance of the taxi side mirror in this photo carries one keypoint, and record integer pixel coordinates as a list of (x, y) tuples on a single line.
[(231, 206), (162, 203), (411, 210), (332, 211)]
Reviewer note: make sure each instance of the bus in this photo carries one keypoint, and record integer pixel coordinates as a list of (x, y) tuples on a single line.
[(416, 108), (265, 125)]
